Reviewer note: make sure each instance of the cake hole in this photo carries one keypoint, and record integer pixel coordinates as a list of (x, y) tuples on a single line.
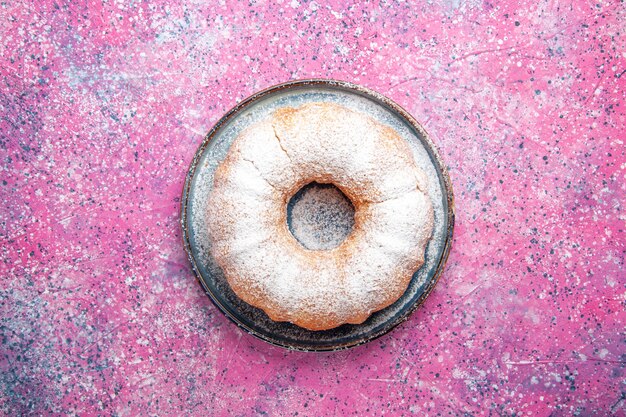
[(320, 216)]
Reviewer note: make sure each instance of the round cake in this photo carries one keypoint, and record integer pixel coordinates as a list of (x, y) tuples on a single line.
[(247, 216)]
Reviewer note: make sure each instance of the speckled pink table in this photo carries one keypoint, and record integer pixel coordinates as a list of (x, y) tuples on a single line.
[(102, 107)]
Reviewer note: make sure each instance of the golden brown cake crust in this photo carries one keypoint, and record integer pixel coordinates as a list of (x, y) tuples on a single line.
[(262, 261)]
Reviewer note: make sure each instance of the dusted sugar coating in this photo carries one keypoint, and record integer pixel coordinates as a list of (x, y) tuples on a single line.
[(247, 216)]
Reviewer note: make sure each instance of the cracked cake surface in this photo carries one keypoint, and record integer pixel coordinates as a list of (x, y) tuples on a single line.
[(262, 261)]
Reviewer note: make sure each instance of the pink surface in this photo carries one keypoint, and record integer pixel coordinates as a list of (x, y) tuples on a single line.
[(102, 108)]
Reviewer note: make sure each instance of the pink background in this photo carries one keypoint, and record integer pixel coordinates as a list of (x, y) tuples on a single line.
[(104, 104)]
